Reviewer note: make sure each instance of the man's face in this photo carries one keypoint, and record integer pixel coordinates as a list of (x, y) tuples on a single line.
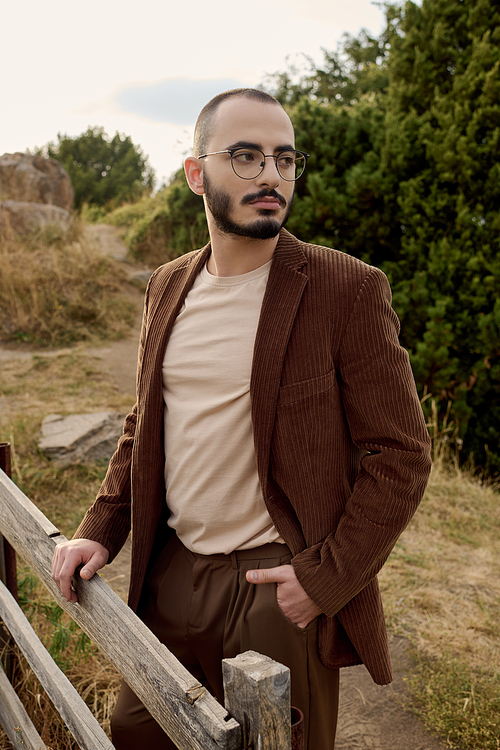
[(255, 208)]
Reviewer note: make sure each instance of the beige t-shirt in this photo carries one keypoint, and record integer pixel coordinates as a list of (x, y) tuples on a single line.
[(213, 489)]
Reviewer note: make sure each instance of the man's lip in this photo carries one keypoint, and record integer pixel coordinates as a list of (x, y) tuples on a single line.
[(269, 203)]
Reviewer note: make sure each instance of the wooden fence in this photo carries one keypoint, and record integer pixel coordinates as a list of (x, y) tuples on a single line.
[(257, 689)]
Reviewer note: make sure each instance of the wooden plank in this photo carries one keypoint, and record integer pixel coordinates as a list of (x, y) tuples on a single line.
[(183, 708), (14, 719), (15, 498), (74, 711), (257, 694)]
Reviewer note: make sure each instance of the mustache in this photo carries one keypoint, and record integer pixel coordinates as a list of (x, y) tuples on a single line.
[(263, 194)]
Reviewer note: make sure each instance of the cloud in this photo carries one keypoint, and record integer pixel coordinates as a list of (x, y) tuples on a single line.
[(177, 101)]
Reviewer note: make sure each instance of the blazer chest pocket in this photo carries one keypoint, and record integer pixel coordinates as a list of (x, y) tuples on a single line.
[(294, 392)]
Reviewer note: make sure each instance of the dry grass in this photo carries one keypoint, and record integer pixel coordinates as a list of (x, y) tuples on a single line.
[(441, 588), (63, 381), (92, 675), (97, 683), (56, 290), (52, 292), (441, 583)]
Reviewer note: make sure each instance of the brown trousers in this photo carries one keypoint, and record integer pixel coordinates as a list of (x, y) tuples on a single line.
[(203, 609)]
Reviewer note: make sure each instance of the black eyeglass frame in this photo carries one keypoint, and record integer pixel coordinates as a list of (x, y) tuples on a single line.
[(232, 151)]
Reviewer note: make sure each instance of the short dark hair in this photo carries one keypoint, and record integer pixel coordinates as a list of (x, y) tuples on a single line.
[(204, 124)]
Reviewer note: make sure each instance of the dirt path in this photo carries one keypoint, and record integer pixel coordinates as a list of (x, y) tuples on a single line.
[(119, 358), (370, 717)]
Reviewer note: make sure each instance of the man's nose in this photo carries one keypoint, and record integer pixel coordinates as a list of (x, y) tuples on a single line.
[(269, 175)]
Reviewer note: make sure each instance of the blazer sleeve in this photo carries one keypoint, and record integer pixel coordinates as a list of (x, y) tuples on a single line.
[(385, 420), (108, 520)]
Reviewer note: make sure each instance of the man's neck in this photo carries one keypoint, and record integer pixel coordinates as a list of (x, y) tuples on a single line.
[(234, 256)]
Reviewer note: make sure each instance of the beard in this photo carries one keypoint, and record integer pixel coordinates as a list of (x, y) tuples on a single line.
[(220, 204)]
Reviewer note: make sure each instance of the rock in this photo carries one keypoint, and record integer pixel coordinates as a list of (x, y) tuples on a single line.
[(80, 438), (23, 217), (35, 193), (34, 179)]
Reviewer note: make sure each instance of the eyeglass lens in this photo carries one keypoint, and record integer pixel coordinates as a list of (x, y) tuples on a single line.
[(248, 163)]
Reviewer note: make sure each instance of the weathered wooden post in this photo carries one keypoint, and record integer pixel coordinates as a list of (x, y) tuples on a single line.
[(8, 575), (297, 718), (8, 567), (257, 695)]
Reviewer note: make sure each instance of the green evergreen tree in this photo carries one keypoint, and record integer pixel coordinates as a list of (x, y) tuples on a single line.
[(404, 139), (338, 112), (342, 201), (358, 67), (104, 171), (442, 154)]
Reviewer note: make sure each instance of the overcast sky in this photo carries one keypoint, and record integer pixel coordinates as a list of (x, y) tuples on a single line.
[(145, 68)]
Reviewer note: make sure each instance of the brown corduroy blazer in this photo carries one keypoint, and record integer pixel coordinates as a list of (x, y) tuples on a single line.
[(341, 444)]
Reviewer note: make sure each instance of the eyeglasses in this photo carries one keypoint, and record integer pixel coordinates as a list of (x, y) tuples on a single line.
[(249, 163)]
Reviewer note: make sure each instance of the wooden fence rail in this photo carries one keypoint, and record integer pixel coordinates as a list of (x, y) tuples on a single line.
[(257, 689)]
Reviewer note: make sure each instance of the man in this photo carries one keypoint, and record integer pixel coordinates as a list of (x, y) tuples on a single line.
[(277, 448)]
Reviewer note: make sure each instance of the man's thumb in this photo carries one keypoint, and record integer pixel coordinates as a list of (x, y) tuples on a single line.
[(256, 576), (268, 575), (91, 567)]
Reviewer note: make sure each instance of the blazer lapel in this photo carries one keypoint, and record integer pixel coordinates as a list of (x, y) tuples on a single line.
[(284, 291), (164, 310)]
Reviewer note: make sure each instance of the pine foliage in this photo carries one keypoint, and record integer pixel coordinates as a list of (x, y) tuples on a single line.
[(442, 149), (404, 173), (104, 171)]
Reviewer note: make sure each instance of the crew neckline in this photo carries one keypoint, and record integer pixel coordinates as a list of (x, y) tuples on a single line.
[(243, 278)]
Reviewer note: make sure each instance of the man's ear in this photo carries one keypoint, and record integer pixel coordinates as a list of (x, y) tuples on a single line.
[(194, 174)]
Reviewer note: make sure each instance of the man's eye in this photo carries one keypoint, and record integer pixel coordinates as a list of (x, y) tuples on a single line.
[(244, 157), (286, 160)]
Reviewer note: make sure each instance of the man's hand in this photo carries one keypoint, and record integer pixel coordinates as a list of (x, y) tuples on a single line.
[(69, 555), (292, 599)]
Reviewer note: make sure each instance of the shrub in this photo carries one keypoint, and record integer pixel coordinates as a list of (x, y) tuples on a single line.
[(165, 226)]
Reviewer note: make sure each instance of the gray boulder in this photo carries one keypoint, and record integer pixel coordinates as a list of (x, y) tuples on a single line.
[(23, 217), (80, 438), (34, 179), (35, 193)]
